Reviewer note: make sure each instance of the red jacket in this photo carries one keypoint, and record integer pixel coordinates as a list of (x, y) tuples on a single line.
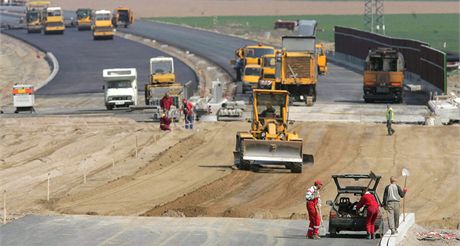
[(188, 108), (367, 200), (166, 103)]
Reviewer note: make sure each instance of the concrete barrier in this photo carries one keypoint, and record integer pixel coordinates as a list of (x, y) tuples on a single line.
[(404, 226)]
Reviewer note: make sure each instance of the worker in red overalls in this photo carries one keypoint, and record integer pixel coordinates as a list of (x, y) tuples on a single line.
[(368, 200), (165, 122), (313, 204), (166, 102)]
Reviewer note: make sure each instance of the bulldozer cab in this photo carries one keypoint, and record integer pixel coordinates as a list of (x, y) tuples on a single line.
[(270, 111)]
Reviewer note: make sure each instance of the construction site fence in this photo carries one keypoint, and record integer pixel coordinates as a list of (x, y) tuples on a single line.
[(424, 64)]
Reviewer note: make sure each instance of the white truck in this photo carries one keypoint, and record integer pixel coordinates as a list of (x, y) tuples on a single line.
[(120, 88), (23, 98)]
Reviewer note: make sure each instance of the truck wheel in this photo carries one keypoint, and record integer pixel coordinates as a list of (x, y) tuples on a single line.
[(109, 107), (296, 167), (243, 165), (332, 231)]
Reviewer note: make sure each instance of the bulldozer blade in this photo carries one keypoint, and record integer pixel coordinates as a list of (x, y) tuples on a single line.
[(272, 151), (308, 159)]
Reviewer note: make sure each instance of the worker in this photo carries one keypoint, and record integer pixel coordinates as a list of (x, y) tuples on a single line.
[(187, 108), (269, 110), (368, 200), (166, 102), (313, 204), (391, 198), (165, 121), (390, 118)]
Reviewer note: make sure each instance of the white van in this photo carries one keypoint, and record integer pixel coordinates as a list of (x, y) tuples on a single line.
[(120, 89)]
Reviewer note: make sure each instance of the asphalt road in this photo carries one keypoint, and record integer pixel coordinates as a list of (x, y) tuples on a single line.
[(99, 230), (340, 85), (81, 60)]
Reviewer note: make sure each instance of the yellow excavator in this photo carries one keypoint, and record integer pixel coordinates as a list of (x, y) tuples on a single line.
[(269, 142)]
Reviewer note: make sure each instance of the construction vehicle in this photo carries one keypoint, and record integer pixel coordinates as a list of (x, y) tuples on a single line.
[(321, 59), (54, 21), (35, 12), (269, 142), (383, 78), (120, 89), (250, 54), (122, 17), (23, 98), (267, 75), (102, 25), (162, 81), (296, 69), (251, 76), (84, 17)]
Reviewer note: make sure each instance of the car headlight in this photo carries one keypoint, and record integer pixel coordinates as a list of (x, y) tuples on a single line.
[(109, 98), (129, 97)]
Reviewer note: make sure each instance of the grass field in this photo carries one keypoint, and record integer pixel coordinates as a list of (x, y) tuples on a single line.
[(432, 28)]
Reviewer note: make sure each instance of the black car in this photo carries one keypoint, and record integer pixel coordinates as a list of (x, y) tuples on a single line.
[(343, 216)]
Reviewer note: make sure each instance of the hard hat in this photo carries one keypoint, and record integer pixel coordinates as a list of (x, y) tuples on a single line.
[(318, 182)]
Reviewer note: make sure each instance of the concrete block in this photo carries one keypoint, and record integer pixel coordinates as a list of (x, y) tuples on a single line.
[(404, 226)]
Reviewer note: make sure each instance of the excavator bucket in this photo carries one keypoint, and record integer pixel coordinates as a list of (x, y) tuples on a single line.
[(272, 151)]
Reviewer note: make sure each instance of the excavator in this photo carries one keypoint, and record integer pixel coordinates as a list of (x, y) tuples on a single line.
[(269, 142)]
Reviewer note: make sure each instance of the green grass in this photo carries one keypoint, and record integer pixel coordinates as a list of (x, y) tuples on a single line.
[(434, 29)]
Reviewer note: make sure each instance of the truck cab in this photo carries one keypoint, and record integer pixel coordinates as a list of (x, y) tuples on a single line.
[(54, 21), (123, 17), (84, 17), (268, 63), (120, 88), (251, 77), (383, 78), (102, 25), (162, 70)]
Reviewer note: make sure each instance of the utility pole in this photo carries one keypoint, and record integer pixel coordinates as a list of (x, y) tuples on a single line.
[(374, 16)]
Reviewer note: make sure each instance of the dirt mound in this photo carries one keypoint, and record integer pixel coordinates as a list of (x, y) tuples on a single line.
[(173, 213)]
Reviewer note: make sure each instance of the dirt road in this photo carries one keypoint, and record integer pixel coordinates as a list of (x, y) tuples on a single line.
[(19, 63), (190, 172), (145, 8)]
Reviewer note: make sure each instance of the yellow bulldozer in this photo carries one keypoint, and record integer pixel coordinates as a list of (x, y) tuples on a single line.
[(269, 142)]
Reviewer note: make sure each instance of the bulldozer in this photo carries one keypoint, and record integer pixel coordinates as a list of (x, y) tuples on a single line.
[(269, 142)]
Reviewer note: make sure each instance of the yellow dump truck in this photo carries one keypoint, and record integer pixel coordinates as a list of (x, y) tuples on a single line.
[(269, 142), (296, 68), (321, 59), (35, 13), (102, 25), (250, 54), (383, 78), (123, 17), (84, 17), (54, 21)]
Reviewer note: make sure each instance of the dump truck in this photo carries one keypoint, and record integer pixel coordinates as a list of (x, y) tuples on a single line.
[(296, 69), (102, 25), (122, 17), (383, 78), (321, 59), (120, 88), (269, 142), (84, 17), (250, 54), (162, 81), (35, 13), (54, 21)]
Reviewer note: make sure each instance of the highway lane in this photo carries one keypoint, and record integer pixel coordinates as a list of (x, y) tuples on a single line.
[(81, 60), (340, 85)]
